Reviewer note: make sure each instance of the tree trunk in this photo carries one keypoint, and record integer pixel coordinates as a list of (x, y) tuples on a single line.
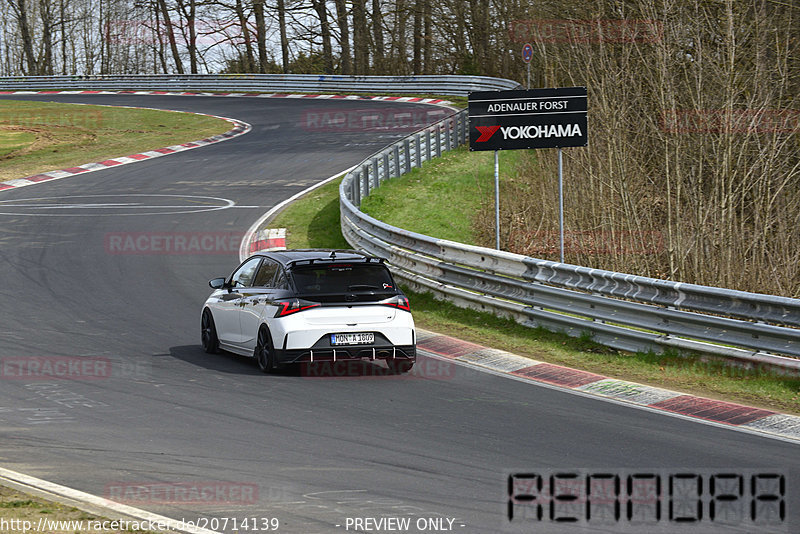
[(344, 39), (171, 36), (416, 65), (46, 60), (189, 12), (63, 24), (479, 14), (21, 11), (427, 40), (284, 38), (249, 62), (360, 37), (327, 50), (377, 33), (261, 36), (399, 54), (160, 36)]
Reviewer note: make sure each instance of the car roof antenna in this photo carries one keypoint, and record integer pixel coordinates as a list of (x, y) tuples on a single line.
[(333, 254)]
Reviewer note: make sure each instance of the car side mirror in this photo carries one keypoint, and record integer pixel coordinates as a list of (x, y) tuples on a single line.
[(216, 283)]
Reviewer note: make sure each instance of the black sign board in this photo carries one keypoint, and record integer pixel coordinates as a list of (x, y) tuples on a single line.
[(534, 118)]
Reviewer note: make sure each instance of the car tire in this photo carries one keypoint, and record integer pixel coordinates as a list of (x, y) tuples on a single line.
[(399, 367), (265, 352), (208, 333)]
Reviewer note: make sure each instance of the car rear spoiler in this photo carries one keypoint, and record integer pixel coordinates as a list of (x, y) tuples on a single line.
[(333, 261)]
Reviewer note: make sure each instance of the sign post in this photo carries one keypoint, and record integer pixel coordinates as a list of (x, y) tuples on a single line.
[(524, 119), (560, 206), (527, 55), (497, 199)]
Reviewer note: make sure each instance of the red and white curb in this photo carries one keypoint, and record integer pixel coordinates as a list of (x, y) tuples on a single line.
[(239, 128), (268, 239), (403, 99), (724, 413)]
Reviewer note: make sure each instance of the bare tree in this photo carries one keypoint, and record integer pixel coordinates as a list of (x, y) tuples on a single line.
[(176, 56), (20, 11), (325, 29), (360, 37), (249, 65), (344, 37), (187, 10), (419, 35), (377, 37)]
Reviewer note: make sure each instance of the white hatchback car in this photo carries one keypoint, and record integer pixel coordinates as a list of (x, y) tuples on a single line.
[(305, 306)]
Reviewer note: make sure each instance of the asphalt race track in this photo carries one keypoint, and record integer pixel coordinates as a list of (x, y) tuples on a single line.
[(309, 451)]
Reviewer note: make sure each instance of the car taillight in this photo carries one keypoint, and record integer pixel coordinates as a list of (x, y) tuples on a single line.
[(288, 307), (400, 302)]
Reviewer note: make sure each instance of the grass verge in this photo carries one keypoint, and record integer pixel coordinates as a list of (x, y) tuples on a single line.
[(17, 508), (441, 199), (313, 221), (37, 137)]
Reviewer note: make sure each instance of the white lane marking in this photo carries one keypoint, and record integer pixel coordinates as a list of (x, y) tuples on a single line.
[(72, 206), (212, 204)]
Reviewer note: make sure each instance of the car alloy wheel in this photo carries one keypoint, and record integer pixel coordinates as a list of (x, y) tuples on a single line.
[(208, 333), (264, 352)]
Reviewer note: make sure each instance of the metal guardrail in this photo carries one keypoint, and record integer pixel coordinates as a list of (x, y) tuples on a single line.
[(422, 84), (623, 311)]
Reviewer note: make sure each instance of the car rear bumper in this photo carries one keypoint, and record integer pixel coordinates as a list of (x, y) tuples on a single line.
[(354, 352)]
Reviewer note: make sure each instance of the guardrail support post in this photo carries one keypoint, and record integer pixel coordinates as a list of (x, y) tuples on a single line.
[(364, 188), (385, 172), (427, 145), (397, 171), (407, 147), (376, 177), (438, 141), (356, 185), (448, 143)]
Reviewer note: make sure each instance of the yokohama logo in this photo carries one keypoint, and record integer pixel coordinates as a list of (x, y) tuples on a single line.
[(529, 132), (486, 133)]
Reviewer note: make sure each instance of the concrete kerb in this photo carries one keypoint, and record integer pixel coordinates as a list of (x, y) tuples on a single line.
[(93, 504)]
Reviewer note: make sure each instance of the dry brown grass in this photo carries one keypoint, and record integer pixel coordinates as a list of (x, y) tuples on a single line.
[(688, 174)]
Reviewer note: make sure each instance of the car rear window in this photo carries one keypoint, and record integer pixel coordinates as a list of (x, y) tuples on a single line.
[(342, 278)]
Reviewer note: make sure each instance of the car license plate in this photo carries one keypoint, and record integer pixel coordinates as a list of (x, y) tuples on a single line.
[(359, 338)]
